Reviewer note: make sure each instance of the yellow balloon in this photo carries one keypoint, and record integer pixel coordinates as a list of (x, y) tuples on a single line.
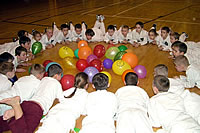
[(69, 62), (120, 66), (109, 76), (65, 52)]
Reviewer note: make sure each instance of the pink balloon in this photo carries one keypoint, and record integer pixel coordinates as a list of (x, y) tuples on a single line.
[(140, 71), (91, 58)]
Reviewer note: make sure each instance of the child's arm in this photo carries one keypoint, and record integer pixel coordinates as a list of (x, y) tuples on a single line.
[(189, 80)]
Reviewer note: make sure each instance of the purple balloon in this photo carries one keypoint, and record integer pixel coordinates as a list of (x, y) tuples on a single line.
[(91, 71), (140, 71), (107, 63), (91, 58)]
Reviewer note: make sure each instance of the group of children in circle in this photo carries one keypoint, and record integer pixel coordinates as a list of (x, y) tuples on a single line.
[(128, 106)]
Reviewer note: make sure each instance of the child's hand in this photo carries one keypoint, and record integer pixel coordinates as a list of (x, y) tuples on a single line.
[(176, 77), (160, 48), (124, 41), (49, 46), (137, 45), (110, 42), (154, 42), (67, 42), (171, 57), (20, 70)]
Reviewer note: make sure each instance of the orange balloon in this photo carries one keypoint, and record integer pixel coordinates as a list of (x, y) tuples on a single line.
[(84, 52), (131, 59), (82, 43), (125, 72)]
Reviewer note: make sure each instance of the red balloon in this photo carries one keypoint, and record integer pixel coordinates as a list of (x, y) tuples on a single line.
[(81, 64), (99, 50), (97, 64), (67, 81), (46, 74), (46, 62)]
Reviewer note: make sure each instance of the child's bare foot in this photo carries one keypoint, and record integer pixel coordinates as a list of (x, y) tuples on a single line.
[(8, 114), (11, 101)]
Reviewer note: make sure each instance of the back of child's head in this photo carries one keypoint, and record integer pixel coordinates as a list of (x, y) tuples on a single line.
[(131, 79), (153, 31), (6, 57), (89, 32), (161, 69), (165, 28), (182, 46), (19, 50), (125, 27), (100, 81), (64, 26), (78, 26), (6, 67), (21, 33), (111, 27), (54, 69), (140, 24), (24, 40), (175, 35), (181, 60), (81, 79), (36, 33), (161, 83), (36, 69)]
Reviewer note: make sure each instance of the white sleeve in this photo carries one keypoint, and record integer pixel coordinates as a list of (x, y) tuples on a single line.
[(190, 79), (144, 41), (134, 36), (106, 39)]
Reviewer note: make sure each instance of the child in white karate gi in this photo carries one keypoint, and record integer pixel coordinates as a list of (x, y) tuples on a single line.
[(164, 39), (132, 107), (111, 36), (124, 35), (152, 37), (78, 31), (62, 117)]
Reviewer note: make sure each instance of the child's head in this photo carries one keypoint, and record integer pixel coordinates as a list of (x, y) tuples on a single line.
[(81, 80), (49, 32), (55, 71), (174, 36), (152, 34), (21, 53), (161, 69), (22, 33), (181, 63), (131, 79), (6, 57), (139, 26), (125, 30), (7, 68), (25, 42), (78, 29), (179, 48), (165, 32), (64, 28), (160, 84), (37, 70), (37, 36), (111, 30), (89, 34), (100, 81)]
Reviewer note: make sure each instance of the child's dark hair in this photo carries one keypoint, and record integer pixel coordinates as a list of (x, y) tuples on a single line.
[(80, 81), (24, 40), (175, 35), (36, 32), (20, 49), (125, 27), (21, 33), (166, 29), (78, 26), (153, 31), (161, 83), (182, 46), (37, 69), (5, 57), (131, 79), (140, 23), (54, 69), (6, 67), (64, 26), (100, 81), (111, 27), (89, 32)]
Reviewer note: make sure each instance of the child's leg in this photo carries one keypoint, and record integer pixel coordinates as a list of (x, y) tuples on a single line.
[(183, 37), (102, 28), (71, 27), (55, 29), (84, 26), (97, 24)]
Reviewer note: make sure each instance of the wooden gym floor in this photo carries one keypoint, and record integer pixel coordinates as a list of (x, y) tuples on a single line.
[(179, 15)]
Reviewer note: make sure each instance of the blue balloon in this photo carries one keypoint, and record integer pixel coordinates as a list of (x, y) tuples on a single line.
[(107, 63)]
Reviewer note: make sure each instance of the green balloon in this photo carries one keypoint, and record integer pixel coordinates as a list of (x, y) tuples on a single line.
[(76, 53), (119, 55), (122, 48), (36, 47), (111, 52)]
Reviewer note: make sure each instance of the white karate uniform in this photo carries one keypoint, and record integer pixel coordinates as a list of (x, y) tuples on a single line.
[(150, 41), (100, 109), (46, 42), (121, 38), (9, 47), (167, 110), (192, 77), (15, 62), (132, 110), (62, 117), (5, 84), (25, 87), (113, 38), (60, 37), (176, 86), (140, 37), (74, 35), (165, 43), (48, 90)]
